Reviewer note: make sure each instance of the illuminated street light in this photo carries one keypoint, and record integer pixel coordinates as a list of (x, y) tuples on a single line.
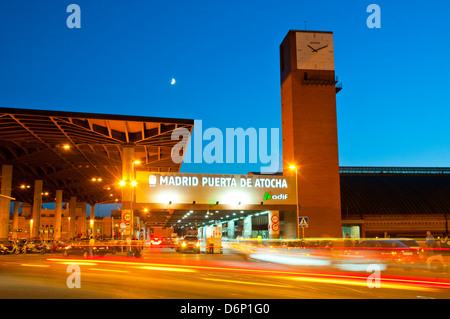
[(122, 183), (92, 227), (133, 183), (66, 146)]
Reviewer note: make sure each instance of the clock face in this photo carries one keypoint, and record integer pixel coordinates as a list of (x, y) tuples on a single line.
[(314, 51)]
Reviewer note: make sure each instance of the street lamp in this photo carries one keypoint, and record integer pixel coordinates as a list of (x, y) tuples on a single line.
[(92, 227), (293, 167)]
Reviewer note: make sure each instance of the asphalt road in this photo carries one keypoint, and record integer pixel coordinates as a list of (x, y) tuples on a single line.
[(164, 274)]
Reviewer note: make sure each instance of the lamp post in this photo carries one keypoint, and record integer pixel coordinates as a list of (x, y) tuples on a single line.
[(31, 228), (92, 227), (296, 196)]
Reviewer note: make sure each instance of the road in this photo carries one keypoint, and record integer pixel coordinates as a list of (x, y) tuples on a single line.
[(164, 274)]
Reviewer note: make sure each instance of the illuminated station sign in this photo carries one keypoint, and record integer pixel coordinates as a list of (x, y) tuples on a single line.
[(179, 188)]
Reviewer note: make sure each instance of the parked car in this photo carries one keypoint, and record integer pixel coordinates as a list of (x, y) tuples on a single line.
[(82, 247), (110, 245)]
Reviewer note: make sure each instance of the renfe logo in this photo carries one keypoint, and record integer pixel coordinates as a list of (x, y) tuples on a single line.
[(280, 196), (152, 180)]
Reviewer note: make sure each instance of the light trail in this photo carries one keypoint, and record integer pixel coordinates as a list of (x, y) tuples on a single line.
[(387, 281), (35, 265), (109, 270), (247, 283)]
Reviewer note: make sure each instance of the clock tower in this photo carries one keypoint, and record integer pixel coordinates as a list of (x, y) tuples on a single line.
[(309, 128)]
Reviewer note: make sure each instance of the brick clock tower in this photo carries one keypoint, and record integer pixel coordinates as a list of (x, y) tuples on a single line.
[(309, 128)]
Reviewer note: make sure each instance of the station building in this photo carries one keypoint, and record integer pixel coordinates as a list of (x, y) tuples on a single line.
[(79, 159)]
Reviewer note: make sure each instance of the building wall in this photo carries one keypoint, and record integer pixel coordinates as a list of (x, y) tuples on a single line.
[(399, 225)]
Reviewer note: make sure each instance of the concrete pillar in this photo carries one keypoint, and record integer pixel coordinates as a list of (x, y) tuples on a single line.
[(37, 206), (5, 203), (72, 216), (92, 217), (247, 233), (92, 212), (58, 214), (83, 217), (290, 224), (15, 225), (274, 224), (231, 229), (127, 175), (26, 210)]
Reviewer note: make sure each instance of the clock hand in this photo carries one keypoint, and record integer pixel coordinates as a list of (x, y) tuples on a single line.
[(321, 48), (314, 50)]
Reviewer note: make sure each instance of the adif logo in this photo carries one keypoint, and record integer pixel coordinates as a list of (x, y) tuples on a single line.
[(152, 180), (280, 196)]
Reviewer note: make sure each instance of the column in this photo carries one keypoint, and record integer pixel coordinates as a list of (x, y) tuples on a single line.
[(15, 225), (58, 214), (5, 204), (247, 233), (37, 206), (72, 216), (127, 175), (231, 229), (83, 217), (274, 224), (290, 224), (92, 212), (91, 219)]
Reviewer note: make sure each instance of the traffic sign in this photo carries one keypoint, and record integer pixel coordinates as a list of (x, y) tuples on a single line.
[(274, 219), (275, 227), (127, 217), (303, 222)]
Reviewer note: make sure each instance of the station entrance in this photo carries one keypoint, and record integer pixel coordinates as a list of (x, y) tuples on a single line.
[(243, 206)]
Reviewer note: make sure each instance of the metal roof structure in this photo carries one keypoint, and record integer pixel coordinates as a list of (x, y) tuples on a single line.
[(69, 150), (385, 191)]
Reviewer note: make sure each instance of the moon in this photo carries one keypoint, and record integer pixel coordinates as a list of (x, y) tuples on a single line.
[(173, 81)]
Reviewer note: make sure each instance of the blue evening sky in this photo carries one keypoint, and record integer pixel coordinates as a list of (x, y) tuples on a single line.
[(393, 111)]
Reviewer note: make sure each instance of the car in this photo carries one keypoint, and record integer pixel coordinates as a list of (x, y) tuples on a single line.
[(167, 242), (189, 243), (156, 241), (81, 247), (385, 251)]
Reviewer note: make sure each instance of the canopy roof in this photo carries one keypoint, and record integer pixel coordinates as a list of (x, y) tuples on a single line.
[(68, 150)]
